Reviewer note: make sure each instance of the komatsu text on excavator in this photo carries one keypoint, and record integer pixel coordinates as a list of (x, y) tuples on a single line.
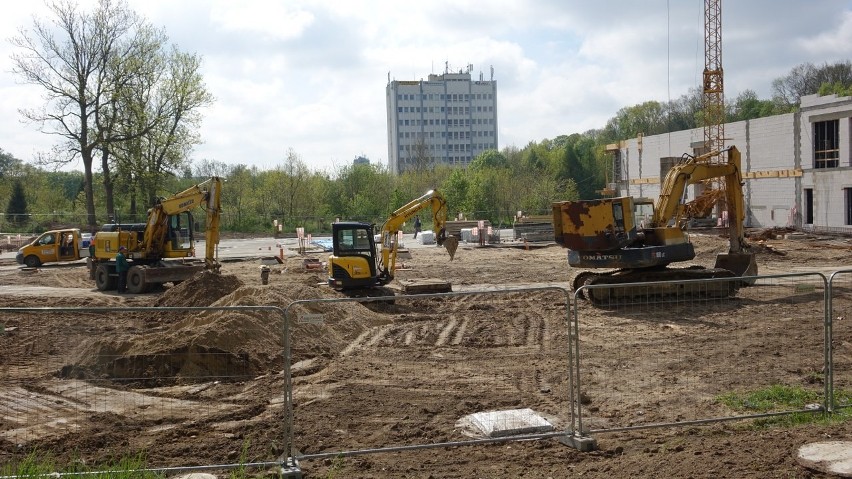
[(605, 234), (355, 263), (163, 250)]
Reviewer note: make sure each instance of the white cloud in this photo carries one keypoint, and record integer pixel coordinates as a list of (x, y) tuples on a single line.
[(311, 75), (275, 19)]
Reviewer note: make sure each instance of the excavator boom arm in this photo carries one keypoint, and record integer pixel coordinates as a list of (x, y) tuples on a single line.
[(694, 171), (390, 243), (206, 195)]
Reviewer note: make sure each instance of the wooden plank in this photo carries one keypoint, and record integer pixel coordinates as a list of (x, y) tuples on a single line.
[(424, 286)]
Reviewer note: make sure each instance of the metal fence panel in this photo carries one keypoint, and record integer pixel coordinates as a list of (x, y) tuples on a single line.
[(669, 356), (173, 384), (840, 314), (406, 373)]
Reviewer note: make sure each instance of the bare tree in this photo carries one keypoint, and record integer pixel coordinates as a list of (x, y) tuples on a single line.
[(419, 158), (806, 79), (82, 61), (295, 178)]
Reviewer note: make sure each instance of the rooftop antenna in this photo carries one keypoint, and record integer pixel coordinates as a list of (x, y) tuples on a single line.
[(446, 67), (492, 72)]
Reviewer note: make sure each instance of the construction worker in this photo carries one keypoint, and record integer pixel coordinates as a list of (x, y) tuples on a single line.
[(416, 225), (121, 268)]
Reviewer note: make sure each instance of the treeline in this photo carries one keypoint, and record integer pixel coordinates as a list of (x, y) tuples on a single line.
[(495, 186)]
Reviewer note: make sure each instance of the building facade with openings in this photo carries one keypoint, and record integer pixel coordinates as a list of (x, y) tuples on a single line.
[(448, 119), (797, 167)]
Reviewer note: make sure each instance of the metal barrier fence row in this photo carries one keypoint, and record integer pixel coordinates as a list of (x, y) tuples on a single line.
[(171, 383), (261, 386), (655, 355)]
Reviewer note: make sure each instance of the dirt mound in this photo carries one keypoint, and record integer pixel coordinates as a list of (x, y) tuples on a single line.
[(229, 344), (201, 290)]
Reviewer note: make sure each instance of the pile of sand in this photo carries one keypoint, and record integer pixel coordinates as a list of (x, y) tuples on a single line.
[(201, 290), (242, 339)]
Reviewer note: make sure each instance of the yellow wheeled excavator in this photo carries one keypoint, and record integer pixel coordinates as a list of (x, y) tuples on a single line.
[(605, 234), (162, 249), (355, 262)]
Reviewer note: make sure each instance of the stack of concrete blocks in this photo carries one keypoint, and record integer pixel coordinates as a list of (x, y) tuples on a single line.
[(426, 237)]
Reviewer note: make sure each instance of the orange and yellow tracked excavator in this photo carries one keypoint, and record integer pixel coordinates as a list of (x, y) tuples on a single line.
[(605, 234)]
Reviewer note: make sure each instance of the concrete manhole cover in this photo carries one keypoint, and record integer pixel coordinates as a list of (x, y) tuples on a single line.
[(503, 423), (832, 457)]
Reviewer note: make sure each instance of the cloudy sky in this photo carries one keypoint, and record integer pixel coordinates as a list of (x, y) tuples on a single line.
[(311, 75)]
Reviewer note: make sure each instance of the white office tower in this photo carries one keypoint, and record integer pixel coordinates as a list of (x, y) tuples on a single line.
[(448, 119)]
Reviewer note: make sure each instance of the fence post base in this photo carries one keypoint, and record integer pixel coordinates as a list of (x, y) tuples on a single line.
[(580, 443), (290, 469)]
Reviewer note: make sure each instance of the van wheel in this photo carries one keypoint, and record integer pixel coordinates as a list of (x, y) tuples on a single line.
[(32, 261)]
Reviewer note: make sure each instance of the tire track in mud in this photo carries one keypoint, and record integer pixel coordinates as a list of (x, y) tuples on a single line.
[(59, 407), (447, 331), (465, 323)]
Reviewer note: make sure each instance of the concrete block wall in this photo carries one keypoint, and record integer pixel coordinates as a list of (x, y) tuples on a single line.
[(771, 147), (782, 142), (829, 202)]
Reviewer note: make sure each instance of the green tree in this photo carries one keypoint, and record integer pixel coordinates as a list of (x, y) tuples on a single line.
[(294, 187), (7, 163), (747, 106), (360, 192), (16, 210), (159, 118), (648, 118), (455, 190), (835, 88), (806, 79)]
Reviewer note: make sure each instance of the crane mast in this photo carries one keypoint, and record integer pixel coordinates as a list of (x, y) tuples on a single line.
[(714, 84)]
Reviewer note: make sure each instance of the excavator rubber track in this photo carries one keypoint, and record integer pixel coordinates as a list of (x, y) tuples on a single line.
[(671, 284)]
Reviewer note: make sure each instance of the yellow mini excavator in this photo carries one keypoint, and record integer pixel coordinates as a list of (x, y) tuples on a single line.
[(355, 263), (605, 234)]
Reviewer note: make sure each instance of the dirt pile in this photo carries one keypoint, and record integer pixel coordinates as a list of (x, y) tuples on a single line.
[(201, 290), (241, 339)]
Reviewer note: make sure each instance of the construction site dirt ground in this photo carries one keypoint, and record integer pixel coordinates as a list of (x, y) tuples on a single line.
[(406, 373)]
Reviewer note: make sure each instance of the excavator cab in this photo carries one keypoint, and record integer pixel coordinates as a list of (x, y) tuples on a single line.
[(353, 260)]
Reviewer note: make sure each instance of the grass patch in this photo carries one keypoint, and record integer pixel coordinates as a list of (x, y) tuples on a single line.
[(773, 398), (780, 398), (39, 465)]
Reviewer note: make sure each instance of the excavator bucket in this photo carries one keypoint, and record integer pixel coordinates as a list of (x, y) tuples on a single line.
[(741, 264), (452, 244)]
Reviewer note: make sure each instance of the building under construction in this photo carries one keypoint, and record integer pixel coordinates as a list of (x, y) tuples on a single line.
[(797, 166)]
